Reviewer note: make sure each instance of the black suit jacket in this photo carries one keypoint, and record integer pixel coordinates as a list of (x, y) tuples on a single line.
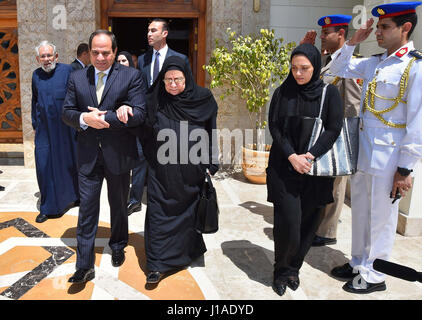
[(124, 85), (145, 61), (76, 65)]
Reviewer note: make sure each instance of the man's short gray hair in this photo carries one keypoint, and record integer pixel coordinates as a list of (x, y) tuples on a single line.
[(45, 43)]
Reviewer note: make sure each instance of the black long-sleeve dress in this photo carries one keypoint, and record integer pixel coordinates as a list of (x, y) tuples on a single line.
[(173, 194), (179, 145), (298, 198)]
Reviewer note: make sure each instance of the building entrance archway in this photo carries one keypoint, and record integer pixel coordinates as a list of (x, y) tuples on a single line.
[(129, 21)]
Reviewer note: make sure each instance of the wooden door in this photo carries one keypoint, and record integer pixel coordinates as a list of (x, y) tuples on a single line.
[(10, 106), (188, 9)]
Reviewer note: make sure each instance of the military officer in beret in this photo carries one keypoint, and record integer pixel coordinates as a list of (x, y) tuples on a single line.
[(390, 138)]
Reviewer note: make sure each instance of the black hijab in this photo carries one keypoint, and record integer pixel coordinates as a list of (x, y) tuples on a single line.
[(128, 57), (294, 98), (292, 101), (194, 104)]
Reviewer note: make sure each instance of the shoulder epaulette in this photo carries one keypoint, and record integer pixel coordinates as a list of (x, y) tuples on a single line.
[(416, 53), (357, 55)]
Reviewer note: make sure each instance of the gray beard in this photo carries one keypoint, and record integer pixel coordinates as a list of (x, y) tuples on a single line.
[(50, 68)]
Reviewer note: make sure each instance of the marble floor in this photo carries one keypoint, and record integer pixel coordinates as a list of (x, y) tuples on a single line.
[(37, 259)]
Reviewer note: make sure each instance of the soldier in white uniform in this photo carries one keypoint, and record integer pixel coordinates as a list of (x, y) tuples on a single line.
[(333, 36), (390, 141)]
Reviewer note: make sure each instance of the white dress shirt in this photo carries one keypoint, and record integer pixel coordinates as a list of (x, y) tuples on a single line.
[(163, 52), (84, 126)]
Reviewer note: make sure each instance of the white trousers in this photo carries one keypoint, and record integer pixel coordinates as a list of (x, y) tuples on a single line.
[(374, 222)]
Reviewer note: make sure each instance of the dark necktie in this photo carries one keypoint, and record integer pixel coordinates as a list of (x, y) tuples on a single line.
[(156, 66)]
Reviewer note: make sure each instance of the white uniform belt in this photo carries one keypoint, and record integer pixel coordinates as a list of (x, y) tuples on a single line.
[(373, 123)]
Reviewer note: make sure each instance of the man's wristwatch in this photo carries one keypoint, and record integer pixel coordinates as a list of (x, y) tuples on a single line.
[(403, 171)]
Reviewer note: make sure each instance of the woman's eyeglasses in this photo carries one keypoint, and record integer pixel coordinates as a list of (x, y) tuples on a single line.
[(175, 80)]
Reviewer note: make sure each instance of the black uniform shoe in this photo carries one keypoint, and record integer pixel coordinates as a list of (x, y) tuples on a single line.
[(134, 207), (41, 218), (154, 277), (117, 258), (82, 275), (360, 286), (321, 241), (279, 287), (344, 272)]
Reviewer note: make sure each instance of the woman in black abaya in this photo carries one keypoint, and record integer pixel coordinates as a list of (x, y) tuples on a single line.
[(298, 198), (178, 155)]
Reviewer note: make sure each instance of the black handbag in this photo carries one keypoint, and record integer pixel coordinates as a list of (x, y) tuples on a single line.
[(207, 212), (342, 158)]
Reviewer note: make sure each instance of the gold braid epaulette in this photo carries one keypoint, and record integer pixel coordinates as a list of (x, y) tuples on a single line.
[(370, 96), (336, 80)]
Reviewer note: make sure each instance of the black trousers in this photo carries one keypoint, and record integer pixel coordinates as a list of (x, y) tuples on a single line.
[(296, 221), (89, 211)]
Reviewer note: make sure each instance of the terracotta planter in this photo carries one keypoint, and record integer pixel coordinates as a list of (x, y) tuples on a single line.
[(254, 163)]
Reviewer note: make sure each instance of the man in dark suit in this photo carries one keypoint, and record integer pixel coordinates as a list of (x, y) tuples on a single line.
[(106, 148), (150, 65), (82, 60)]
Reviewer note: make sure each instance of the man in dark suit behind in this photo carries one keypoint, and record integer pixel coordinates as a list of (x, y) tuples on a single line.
[(105, 148), (150, 64), (82, 57)]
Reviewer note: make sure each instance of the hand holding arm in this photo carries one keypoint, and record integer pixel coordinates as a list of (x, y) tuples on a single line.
[(124, 112), (95, 119)]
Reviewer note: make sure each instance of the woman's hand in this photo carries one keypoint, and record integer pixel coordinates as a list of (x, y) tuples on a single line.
[(300, 162), (309, 156)]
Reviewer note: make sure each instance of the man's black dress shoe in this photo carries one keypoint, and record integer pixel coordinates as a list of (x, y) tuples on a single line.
[(154, 277), (117, 258), (360, 286), (293, 282), (134, 207), (41, 218), (279, 287), (321, 241), (82, 275), (344, 272)]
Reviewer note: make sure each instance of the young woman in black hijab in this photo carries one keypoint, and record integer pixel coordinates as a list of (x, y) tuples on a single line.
[(298, 198), (176, 107)]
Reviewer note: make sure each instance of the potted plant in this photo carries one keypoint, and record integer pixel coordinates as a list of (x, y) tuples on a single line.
[(251, 66)]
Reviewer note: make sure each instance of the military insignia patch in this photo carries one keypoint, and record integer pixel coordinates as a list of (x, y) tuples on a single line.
[(401, 52), (416, 53), (327, 20), (380, 11), (359, 82)]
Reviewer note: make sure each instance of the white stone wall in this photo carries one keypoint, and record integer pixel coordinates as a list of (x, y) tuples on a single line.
[(292, 18)]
